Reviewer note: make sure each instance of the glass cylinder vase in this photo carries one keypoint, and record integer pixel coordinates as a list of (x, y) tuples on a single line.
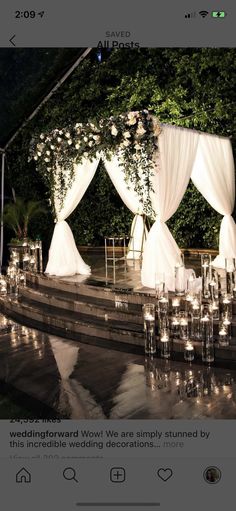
[(180, 277), (206, 274), (149, 328), (206, 332), (165, 343)]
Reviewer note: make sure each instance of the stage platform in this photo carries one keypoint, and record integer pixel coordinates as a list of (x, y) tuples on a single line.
[(96, 310)]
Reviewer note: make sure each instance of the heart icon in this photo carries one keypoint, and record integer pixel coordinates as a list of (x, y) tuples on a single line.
[(165, 473)]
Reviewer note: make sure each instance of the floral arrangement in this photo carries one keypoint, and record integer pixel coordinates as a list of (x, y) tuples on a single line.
[(133, 135)]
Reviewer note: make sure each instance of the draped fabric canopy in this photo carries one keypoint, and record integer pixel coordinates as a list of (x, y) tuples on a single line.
[(177, 151), (213, 176), (182, 154), (64, 257)]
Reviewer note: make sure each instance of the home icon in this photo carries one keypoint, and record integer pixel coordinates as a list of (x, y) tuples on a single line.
[(23, 476)]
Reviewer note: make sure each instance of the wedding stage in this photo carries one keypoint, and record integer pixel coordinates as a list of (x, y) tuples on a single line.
[(99, 311)]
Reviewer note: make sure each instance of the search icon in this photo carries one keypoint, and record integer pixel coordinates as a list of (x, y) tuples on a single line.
[(69, 474)]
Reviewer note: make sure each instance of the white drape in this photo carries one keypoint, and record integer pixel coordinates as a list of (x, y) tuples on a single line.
[(177, 151), (213, 175), (64, 258), (132, 201)]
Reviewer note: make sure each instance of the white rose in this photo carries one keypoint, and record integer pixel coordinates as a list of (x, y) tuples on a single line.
[(52, 147), (127, 134), (60, 132), (46, 159), (131, 121), (86, 139), (59, 139), (140, 131), (126, 143), (39, 153), (86, 154), (48, 153), (67, 134), (69, 142), (138, 147), (77, 146), (35, 158), (114, 131), (90, 143), (42, 136)]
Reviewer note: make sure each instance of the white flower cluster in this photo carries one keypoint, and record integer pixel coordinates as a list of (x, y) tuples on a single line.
[(134, 133)]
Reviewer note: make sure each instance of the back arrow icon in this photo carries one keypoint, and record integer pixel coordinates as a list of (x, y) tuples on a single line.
[(11, 40)]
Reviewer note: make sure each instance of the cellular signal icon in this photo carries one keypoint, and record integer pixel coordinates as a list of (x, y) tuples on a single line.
[(190, 15), (203, 14)]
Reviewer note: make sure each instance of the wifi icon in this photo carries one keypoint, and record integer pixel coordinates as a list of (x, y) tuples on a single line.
[(203, 14)]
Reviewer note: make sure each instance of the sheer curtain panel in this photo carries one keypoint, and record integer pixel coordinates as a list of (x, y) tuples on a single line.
[(214, 176), (177, 151), (64, 257)]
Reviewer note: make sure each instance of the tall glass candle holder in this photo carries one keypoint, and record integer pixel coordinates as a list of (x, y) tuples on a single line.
[(175, 327), (149, 328), (214, 309), (234, 286), (224, 333), (226, 306), (190, 292), (229, 272), (206, 331), (183, 326), (159, 284), (227, 325), (165, 343), (175, 306), (214, 284), (195, 319), (188, 351), (163, 304), (180, 277), (206, 274)]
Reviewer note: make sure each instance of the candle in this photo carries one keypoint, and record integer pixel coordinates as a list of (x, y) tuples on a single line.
[(165, 338), (189, 352), (148, 316), (176, 302), (222, 332)]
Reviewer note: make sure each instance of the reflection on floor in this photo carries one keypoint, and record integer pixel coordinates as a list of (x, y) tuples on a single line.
[(88, 382)]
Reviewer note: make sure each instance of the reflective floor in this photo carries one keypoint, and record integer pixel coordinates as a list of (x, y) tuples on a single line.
[(82, 381)]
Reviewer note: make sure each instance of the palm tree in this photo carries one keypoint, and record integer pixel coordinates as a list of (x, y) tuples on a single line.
[(18, 214)]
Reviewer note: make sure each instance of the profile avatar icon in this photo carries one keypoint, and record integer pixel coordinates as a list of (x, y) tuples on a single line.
[(212, 475)]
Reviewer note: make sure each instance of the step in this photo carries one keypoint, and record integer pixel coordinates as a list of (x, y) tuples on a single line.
[(66, 324), (117, 310), (104, 334), (90, 288)]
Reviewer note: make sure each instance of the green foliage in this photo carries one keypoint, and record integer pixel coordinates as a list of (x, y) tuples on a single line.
[(100, 213), (195, 223), (18, 214), (193, 88)]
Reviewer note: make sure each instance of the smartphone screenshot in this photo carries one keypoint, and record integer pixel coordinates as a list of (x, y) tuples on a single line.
[(117, 256)]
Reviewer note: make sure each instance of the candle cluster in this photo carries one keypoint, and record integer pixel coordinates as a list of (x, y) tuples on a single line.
[(193, 316)]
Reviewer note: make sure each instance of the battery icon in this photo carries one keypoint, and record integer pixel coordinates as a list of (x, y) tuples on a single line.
[(218, 14)]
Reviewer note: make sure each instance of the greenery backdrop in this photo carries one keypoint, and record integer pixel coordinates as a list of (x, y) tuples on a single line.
[(189, 87)]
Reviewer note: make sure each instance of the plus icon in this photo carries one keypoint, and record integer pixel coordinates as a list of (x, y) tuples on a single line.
[(117, 475)]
